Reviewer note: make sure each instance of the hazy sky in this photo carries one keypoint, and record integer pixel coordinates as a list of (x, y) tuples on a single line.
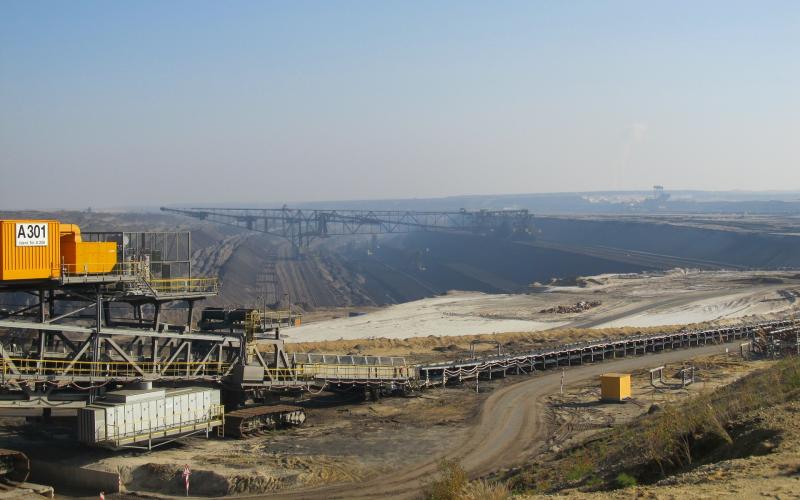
[(147, 103)]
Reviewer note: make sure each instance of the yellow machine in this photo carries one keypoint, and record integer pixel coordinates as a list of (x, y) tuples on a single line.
[(29, 250), (615, 386), (82, 257), (44, 249)]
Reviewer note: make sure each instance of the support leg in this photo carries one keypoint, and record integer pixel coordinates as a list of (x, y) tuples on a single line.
[(156, 315), (189, 319)]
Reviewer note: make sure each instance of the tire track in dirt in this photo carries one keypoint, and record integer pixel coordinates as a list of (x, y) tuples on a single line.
[(511, 428)]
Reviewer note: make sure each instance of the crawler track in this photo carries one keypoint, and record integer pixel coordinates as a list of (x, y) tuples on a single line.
[(256, 420)]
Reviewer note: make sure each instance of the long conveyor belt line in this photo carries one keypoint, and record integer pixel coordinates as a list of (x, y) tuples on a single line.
[(307, 376), (575, 354)]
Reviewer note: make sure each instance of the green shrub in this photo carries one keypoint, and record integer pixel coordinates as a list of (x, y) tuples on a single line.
[(625, 480), (578, 471)]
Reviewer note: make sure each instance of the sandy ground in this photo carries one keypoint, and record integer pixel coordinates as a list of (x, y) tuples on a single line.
[(511, 428), (642, 300), (347, 442), (577, 414), (576, 418), (444, 316), (366, 442)]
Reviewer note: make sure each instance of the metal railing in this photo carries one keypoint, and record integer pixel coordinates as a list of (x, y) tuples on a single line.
[(180, 286), (49, 368), (214, 415), (280, 315), (140, 273), (121, 269), (355, 372), (313, 358), (110, 369), (285, 374), (305, 371)]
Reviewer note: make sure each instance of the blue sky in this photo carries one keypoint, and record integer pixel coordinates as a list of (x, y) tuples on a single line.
[(147, 103)]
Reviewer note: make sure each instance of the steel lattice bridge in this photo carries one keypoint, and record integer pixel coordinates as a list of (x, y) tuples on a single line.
[(301, 226)]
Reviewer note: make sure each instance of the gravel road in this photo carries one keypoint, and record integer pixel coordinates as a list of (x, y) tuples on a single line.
[(510, 429)]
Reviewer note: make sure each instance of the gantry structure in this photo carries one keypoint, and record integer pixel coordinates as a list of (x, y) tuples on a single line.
[(302, 226)]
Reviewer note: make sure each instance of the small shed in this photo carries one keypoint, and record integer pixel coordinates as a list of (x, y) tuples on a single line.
[(615, 386)]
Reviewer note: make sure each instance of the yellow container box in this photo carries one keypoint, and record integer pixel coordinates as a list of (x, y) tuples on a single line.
[(29, 250), (85, 257), (615, 386)]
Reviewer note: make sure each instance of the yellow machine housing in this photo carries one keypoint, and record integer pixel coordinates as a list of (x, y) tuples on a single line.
[(83, 257), (29, 250), (615, 386)]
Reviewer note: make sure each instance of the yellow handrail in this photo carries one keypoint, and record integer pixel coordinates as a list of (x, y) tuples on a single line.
[(189, 369), (185, 285), (338, 371), (127, 268), (141, 271), (26, 366)]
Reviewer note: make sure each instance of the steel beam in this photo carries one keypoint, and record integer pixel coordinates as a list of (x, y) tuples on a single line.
[(303, 226)]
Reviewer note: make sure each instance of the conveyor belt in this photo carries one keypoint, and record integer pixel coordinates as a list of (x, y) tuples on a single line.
[(579, 353)]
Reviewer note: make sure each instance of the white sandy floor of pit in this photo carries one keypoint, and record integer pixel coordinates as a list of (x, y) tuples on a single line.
[(459, 313), (441, 316), (730, 306)]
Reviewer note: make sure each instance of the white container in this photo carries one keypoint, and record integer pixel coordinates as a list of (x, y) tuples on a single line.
[(132, 395), (129, 418)]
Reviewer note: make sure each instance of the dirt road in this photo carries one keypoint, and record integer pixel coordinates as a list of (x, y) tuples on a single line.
[(509, 430)]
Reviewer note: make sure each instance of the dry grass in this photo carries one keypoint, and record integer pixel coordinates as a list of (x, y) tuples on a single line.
[(430, 345), (452, 483), (485, 490), (679, 437), (669, 439)]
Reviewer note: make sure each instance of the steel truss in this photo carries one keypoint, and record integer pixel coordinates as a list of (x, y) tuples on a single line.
[(301, 226), (576, 354), (67, 348), (64, 361)]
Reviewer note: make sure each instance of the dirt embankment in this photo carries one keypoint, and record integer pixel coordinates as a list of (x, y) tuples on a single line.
[(734, 244), (734, 437)]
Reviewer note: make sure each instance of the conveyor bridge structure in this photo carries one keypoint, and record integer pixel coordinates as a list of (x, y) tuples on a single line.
[(595, 351), (234, 363), (302, 226), (76, 364)]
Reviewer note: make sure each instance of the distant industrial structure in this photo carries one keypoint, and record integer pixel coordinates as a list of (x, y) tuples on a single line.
[(301, 226)]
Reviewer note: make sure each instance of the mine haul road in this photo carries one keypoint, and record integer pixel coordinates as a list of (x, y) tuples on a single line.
[(509, 430)]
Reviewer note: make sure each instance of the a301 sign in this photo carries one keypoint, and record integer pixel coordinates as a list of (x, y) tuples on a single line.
[(31, 235)]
